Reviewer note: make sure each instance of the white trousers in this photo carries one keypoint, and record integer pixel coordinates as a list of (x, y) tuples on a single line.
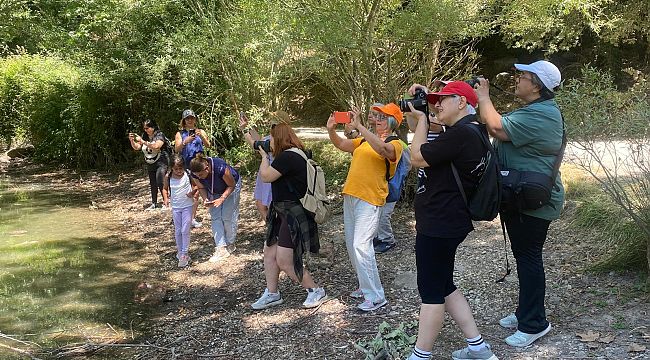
[(360, 223)]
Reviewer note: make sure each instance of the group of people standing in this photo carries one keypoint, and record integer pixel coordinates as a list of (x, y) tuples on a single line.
[(451, 156), (192, 175)]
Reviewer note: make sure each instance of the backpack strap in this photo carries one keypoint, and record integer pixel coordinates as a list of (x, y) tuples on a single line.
[(304, 156), (486, 143)]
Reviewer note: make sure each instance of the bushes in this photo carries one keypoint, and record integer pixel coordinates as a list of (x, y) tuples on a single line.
[(611, 132)]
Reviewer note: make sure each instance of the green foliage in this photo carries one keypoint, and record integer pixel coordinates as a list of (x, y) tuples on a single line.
[(335, 163), (621, 243), (390, 343), (555, 25), (594, 109)]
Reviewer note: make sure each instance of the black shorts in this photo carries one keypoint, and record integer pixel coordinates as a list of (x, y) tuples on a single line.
[(282, 234), (435, 258)]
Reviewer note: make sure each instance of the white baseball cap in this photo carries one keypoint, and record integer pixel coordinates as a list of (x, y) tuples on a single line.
[(548, 73)]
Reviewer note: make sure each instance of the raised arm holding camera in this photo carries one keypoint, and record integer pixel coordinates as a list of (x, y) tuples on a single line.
[(262, 192), (529, 140), (442, 217)]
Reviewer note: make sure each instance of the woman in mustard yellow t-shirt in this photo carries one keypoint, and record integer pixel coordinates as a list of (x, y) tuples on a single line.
[(364, 193)]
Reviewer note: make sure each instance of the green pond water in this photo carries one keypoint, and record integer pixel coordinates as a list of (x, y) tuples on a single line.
[(64, 270)]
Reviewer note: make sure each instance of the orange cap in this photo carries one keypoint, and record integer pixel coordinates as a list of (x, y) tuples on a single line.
[(392, 110)]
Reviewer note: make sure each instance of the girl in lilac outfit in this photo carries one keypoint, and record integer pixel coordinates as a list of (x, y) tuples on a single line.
[(178, 191)]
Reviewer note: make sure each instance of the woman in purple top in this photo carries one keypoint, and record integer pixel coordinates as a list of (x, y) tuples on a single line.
[(219, 185)]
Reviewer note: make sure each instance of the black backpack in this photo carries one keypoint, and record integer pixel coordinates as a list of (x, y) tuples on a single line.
[(484, 203)]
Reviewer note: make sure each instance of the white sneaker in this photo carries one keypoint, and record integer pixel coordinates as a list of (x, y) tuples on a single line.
[(151, 207), (315, 297), (220, 253), (196, 224), (267, 300), (372, 305)]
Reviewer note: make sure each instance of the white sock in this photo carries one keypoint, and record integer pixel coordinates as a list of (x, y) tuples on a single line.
[(419, 354), (476, 344)]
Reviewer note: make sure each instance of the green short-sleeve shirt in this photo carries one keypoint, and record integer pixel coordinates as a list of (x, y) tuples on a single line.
[(535, 133)]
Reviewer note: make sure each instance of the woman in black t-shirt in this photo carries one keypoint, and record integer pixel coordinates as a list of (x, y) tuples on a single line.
[(155, 148), (291, 229)]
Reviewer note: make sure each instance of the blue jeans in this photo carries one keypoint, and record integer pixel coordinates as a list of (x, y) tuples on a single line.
[(225, 218)]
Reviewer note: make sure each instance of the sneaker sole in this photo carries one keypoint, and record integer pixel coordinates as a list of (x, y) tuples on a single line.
[(266, 306), (533, 338), (493, 357), (319, 303), (377, 306)]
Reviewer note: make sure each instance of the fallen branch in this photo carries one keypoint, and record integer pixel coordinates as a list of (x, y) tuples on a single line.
[(20, 351)]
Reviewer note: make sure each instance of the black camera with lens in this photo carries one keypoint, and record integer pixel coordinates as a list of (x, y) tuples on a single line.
[(419, 101), (473, 81), (265, 144)]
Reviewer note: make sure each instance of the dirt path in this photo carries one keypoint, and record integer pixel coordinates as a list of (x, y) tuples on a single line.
[(205, 311)]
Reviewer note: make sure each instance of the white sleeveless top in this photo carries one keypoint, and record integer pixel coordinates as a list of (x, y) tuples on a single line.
[(178, 189)]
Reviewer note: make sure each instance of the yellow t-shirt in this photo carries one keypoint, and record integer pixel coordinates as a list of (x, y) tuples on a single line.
[(367, 175)]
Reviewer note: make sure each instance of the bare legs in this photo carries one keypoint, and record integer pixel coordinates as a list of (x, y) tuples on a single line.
[(433, 315), (276, 259)]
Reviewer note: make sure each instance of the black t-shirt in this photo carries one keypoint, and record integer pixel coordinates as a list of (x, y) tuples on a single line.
[(292, 185), (440, 210), (165, 151)]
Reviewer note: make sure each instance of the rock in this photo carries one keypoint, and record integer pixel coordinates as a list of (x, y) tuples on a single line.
[(21, 152)]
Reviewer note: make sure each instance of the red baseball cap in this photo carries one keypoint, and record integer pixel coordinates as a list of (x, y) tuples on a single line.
[(459, 88), (392, 110)]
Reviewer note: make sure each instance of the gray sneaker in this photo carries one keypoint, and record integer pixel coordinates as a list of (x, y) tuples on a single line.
[(315, 297), (509, 322), (522, 339), (467, 354), (267, 300)]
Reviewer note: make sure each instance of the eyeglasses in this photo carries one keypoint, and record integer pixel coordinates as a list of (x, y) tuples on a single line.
[(443, 97), (381, 117), (520, 75), (206, 168)]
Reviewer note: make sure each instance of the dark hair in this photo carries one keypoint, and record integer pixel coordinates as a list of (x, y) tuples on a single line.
[(150, 123), (284, 138), (544, 92), (198, 163), (177, 159)]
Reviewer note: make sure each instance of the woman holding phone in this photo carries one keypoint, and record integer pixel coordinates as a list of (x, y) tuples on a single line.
[(364, 193), (154, 146), (189, 142), (219, 185)]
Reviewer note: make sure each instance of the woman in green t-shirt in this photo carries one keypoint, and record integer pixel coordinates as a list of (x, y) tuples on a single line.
[(528, 139)]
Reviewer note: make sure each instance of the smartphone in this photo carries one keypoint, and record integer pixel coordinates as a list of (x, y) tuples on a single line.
[(342, 117), (192, 132), (242, 115)]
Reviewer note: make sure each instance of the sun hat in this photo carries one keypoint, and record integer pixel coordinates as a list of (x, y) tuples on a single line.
[(460, 88), (392, 110), (548, 73)]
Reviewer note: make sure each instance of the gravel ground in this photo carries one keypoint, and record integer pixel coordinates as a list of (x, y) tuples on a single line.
[(204, 310)]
